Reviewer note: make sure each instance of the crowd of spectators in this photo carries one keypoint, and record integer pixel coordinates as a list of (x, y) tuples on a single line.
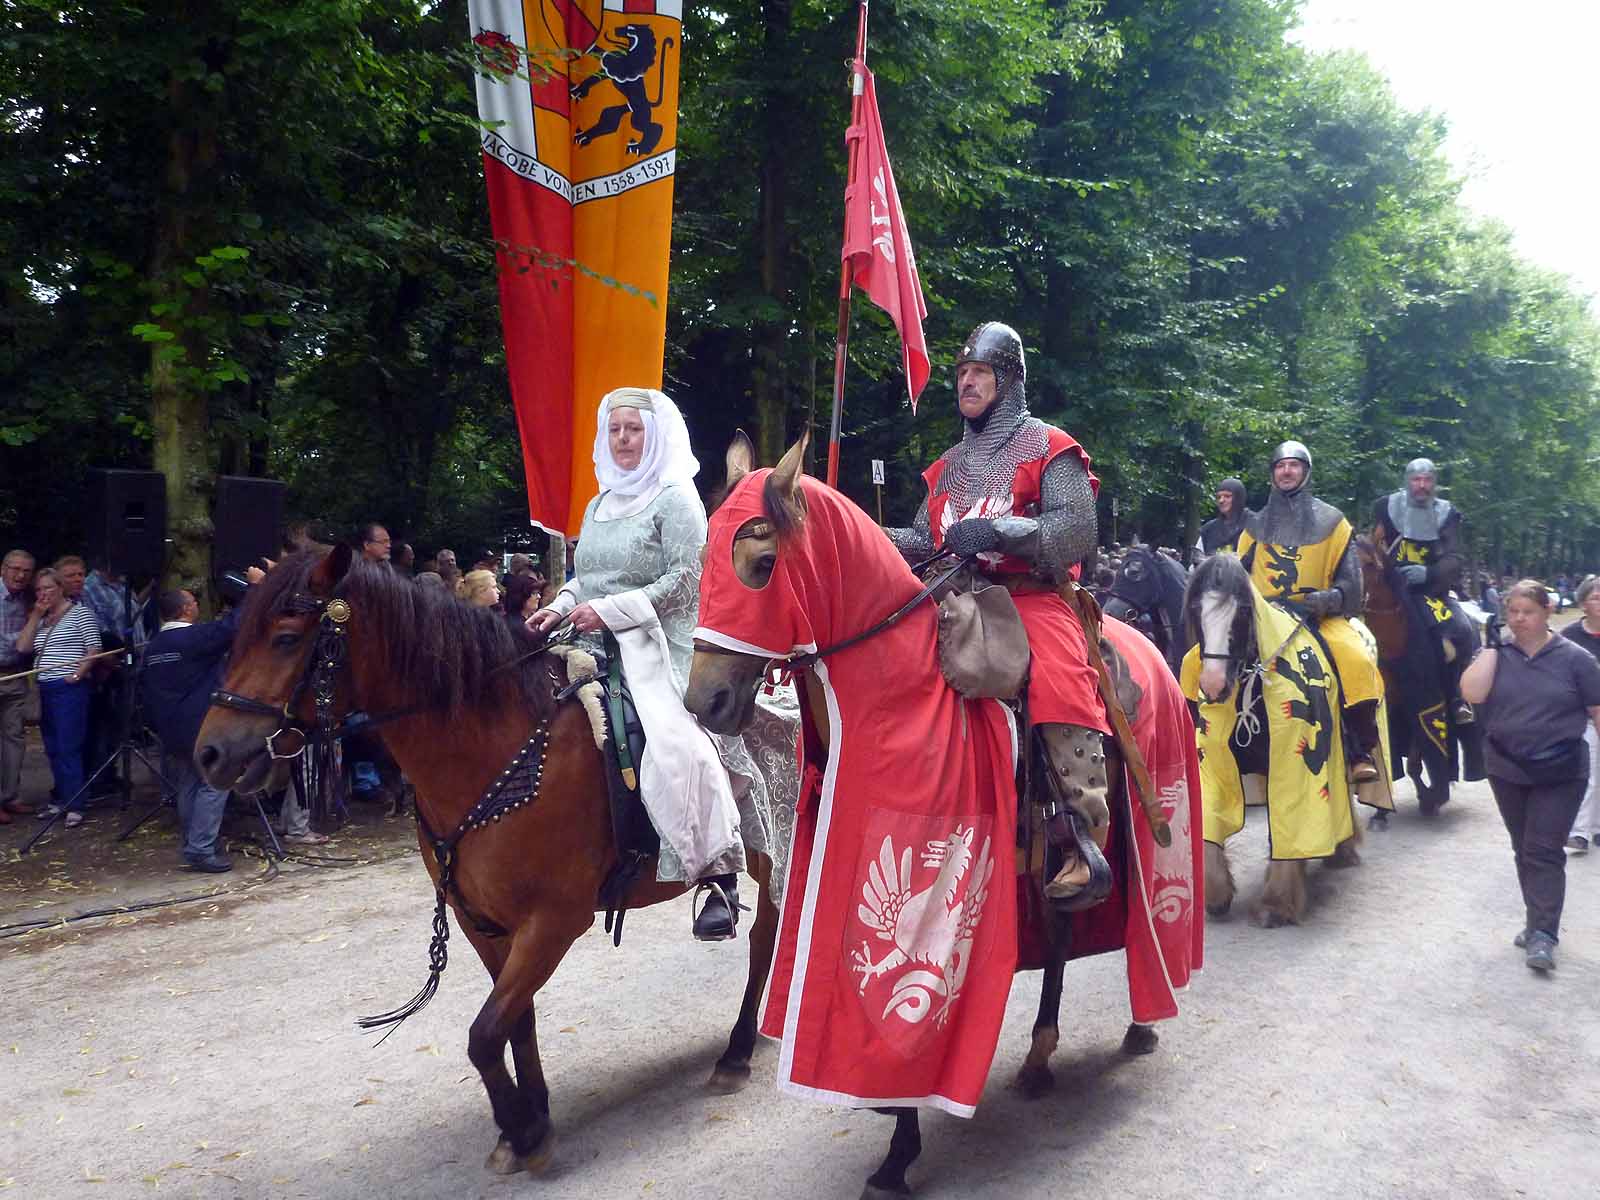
[(64, 628)]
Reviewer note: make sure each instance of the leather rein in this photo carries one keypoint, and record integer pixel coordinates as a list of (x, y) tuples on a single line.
[(779, 667), (513, 788)]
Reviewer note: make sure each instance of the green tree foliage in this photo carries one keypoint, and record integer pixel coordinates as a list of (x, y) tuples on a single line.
[(250, 236)]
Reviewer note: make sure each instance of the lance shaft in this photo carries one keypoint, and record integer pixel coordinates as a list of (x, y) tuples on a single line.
[(841, 341)]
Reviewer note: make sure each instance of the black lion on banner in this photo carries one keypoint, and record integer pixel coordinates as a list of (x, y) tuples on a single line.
[(627, 69)]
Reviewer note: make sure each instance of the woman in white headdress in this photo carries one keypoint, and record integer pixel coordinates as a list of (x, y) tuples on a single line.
[(638, 579)]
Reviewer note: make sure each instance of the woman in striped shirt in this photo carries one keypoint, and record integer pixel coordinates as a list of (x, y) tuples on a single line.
[(63, 636)]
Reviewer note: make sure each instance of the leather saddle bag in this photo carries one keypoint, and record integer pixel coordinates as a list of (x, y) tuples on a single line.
[(983, 646)]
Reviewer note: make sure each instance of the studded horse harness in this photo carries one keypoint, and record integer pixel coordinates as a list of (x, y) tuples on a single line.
[(515, 787)]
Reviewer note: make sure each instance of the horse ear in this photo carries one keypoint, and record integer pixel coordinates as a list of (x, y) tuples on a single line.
[(328, 573), (786, 475), (740, 459)]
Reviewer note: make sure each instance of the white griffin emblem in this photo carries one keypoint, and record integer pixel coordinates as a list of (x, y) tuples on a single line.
[(883, 241), (930, 932)]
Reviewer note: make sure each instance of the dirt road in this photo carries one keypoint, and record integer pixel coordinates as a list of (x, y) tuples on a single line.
[(1393, 1046)]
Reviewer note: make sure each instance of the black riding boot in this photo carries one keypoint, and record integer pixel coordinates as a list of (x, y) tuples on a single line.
[(719, 919), (1362, 721)]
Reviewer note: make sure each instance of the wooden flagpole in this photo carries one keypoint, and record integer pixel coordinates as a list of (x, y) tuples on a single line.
[(842, 338)]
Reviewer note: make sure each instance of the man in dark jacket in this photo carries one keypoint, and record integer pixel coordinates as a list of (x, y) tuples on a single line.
[(182, 667)]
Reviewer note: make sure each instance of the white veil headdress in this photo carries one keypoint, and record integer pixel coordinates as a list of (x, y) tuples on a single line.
[(667, 458)]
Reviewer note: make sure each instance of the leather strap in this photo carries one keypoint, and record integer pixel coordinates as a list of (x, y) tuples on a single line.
[(1082, 603), (615, 710)]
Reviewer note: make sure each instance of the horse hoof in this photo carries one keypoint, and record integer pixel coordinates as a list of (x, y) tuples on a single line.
[(727, 1079), (1344, 857), (502, 1159), (1140, 1039), (1035, 1081), (1220, 910), (873, 1192), (538, 1160), (1266, 918), (1378, 822)]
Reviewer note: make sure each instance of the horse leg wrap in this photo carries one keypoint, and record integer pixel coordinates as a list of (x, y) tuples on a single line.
[(1075, 794)]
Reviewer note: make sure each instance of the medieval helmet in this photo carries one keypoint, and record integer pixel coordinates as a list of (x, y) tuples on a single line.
[(1000, 346), (1295, 450)]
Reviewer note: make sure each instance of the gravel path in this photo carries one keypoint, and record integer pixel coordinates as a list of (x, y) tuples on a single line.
[(1392, 1046)]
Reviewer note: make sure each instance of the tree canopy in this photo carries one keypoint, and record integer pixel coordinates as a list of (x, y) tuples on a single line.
[(251, 237)]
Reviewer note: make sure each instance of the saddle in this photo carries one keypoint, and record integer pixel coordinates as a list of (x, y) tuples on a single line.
[(636, 839)]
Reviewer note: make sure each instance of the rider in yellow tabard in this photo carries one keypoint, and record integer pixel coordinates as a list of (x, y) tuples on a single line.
[(1297, 550)]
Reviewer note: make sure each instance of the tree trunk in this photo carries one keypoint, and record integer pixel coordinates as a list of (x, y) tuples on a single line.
[(179, 407), (770, 386)]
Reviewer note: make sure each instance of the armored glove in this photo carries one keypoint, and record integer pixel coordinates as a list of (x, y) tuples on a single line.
[(1321, 604), (975, 535), (1415, 574)]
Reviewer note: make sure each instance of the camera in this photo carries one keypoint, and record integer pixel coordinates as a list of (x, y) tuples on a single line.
[(231, 586)]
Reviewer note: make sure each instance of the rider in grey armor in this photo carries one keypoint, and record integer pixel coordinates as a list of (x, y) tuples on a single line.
[(1423, 536), (1018, 493)]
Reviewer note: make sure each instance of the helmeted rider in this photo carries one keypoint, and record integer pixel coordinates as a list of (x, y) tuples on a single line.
[(1297, 550), (1019, 494), (1223, 530), (1423, 533)]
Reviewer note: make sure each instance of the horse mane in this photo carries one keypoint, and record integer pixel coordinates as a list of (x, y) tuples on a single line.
[(1219, 573), (452, 654)]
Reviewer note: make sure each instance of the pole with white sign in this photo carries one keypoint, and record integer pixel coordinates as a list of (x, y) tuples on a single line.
[(877, 482)]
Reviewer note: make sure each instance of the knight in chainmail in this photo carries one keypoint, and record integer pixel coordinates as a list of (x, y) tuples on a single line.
[(1298, 551), (1018, 496), (1223, 530), (1423, 536)]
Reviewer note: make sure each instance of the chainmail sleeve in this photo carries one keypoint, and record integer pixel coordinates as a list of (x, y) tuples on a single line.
[(1066, 530), (915, 542), (1347, 578)]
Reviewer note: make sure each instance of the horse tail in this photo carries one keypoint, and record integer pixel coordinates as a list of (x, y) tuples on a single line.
[(661, 71)]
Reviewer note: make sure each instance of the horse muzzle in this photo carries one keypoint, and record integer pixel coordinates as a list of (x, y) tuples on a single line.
[(231, 754)]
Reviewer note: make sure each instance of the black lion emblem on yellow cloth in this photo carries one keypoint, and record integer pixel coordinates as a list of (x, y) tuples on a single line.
[(626, 69), (1312, 680)]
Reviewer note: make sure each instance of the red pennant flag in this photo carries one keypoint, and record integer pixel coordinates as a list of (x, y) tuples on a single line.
[(877, 245)]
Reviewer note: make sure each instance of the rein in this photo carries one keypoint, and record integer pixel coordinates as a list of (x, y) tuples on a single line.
[(811, 657), (789, 663), (515, 787)]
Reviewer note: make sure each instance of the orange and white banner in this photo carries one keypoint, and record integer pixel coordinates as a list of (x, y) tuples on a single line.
[(581, 100)]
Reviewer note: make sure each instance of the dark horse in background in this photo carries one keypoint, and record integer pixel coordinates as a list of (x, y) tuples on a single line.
[(512, 806), (1423, 733), (1148, 594)]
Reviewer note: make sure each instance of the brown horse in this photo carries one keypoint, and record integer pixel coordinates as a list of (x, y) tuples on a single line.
[(468, 708), (1412, 732)]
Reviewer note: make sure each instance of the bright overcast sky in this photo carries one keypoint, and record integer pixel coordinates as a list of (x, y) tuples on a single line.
[(1520, 86)]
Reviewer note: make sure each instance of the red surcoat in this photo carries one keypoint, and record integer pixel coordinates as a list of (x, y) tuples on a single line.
[(1062, 688)]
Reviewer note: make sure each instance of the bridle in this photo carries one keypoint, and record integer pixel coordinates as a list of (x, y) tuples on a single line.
[(320, 677), (780, 668)]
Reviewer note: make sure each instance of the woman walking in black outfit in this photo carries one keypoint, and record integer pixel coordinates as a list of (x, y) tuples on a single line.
[(1538, 693)]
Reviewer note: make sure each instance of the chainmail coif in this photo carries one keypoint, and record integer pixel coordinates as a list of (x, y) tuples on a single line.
[(985, 461)]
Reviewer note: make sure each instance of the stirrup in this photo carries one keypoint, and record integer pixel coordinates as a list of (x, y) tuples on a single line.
[(723, 930), (1086, 880), (1364, 770), (1463, 714)]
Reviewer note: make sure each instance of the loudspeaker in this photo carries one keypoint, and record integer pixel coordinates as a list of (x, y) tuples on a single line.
[(127, 515), (248, 522)]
